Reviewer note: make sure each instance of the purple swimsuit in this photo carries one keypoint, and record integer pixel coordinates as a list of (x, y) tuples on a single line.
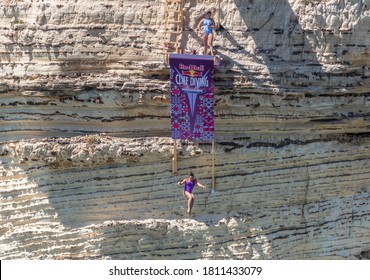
[(189, 186)]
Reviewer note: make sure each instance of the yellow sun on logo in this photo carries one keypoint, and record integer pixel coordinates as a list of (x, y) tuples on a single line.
[(192, 73)]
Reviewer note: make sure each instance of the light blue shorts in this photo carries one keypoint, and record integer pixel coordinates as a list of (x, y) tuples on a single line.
[(207, 31)]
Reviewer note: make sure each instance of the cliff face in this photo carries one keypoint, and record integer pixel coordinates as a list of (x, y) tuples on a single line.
[(292, 132)]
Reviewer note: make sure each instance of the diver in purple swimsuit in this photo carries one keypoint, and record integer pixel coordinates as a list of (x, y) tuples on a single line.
[(190, 183), (208, 24)]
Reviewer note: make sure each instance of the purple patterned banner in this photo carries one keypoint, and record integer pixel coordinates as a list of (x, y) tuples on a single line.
[(192, 90)]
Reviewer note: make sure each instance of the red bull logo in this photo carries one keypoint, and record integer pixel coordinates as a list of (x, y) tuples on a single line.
[(192, 73)]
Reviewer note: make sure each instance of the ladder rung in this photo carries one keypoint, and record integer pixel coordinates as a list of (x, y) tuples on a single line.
[(173, 10), (171, 42), (173, 30), (173, 21)]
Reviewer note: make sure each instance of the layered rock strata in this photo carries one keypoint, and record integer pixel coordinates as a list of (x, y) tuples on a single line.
[(103, 197), (292, 132), (67, 70)]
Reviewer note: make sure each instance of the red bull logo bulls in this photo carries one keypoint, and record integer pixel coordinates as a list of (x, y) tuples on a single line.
[(192, 73)]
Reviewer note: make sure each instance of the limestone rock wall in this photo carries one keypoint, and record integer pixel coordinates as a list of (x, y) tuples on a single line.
[(292, 132), (68, 69), (103, 197)]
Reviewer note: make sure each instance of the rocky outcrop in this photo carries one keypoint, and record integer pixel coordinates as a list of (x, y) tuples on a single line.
[(292, 133)]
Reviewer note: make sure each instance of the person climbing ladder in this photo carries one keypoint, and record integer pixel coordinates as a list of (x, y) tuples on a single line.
[(208, 24), (190, 184)]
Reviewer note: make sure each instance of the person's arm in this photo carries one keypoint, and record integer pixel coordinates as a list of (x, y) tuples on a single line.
[(200, 23), (201, 185), (213, 25), (181, 182)]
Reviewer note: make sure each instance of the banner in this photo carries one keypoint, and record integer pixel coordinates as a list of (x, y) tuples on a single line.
[(192, 90)]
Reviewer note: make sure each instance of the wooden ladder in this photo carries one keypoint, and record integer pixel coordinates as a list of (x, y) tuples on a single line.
[(173, 23)]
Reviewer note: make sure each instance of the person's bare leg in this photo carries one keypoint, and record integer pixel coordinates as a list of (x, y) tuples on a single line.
[(191, 203), (210, 42), (190, 197), (205, 44)]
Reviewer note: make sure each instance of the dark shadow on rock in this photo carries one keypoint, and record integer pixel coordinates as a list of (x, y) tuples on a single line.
[(115, 192), (280, 45), (296, 48), (136, 220), (285, 34)]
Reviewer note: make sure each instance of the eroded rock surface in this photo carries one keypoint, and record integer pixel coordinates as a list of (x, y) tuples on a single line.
[(85, 153)]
